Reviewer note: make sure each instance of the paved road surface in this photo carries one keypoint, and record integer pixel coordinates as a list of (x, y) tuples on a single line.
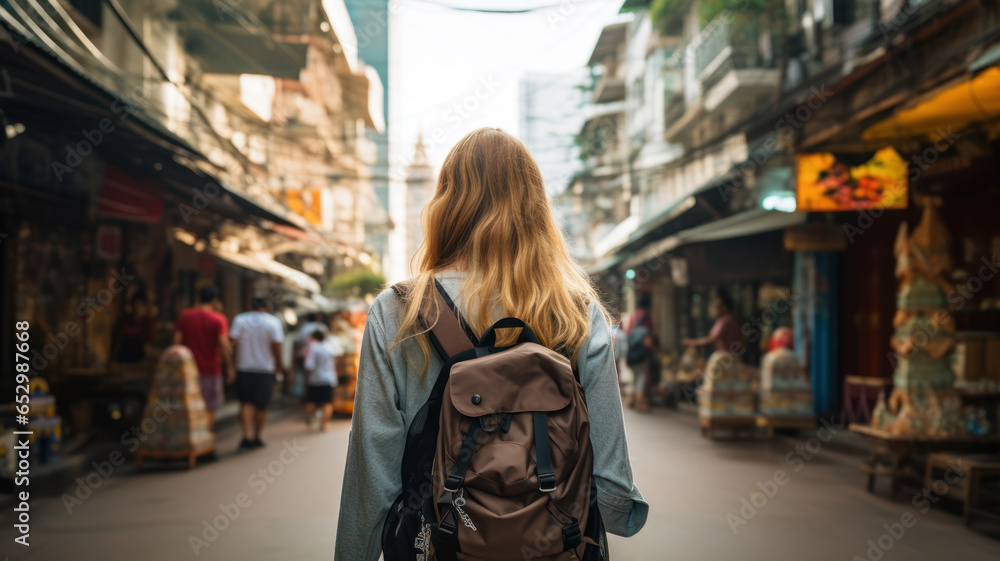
[(820, 513)]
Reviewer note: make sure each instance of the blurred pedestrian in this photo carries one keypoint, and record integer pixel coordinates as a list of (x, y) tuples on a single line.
[(642, 355), (206, 332), (626, 377), (133, 333), (257, 337), (724, 336), (346, 335), (320, 355), (296, 385)]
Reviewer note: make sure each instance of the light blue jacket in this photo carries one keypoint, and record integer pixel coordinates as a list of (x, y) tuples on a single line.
[(391, 390)]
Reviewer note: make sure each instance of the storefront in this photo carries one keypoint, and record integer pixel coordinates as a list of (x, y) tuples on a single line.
[(938, 209), (91, 202)]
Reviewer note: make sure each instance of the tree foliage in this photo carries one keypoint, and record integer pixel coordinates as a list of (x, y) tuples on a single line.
[(357, 283)]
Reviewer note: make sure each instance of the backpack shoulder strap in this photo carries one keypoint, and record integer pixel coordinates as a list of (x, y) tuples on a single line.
[(448, 332)]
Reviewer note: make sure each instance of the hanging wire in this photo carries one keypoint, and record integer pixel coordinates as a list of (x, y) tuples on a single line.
[(224, 143)]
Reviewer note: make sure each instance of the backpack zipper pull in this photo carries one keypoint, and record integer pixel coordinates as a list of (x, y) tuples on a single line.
[(458, 502)]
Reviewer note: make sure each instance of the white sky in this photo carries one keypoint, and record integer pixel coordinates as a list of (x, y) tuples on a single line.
[(453, 71), (443, 59)]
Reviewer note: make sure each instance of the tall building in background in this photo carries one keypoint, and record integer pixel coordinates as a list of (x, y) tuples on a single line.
[(371, 24), (552, 109), (420, 182)]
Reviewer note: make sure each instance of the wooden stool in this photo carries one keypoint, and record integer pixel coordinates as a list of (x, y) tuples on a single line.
[(970, 469), (190, 455), (796, 422), (739, 427)]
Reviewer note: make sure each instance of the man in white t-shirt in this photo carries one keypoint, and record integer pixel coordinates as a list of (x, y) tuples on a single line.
[(257, 337)]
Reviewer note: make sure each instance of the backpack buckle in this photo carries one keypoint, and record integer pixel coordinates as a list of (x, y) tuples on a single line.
[(496, 421), (453, 483), (572, 536), (445, 533), (546, 482)]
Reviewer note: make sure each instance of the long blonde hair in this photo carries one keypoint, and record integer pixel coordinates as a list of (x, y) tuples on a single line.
[(490, 217)]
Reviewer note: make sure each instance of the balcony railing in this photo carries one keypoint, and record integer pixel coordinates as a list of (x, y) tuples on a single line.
[(726, 45), (711, 42)]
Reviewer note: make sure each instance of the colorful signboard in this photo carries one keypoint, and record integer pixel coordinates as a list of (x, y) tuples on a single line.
[(826, 184)]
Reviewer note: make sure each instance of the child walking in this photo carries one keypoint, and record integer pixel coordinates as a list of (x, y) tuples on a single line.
[(322, 376)]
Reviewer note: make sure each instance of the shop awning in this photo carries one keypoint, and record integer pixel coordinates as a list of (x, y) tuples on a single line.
[(605, 264), (54, 80), (681, 207), (617, 236), (248, 262), (263, 205), (303, 304), (975, 100), (736, 226), (32, 78), (296, 277), (267, 266), (743, 224)]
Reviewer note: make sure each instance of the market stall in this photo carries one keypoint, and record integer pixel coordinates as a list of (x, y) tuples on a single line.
[(940, 401)]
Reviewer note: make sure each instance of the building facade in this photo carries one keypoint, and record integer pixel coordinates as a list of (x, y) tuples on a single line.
[(711, 182)]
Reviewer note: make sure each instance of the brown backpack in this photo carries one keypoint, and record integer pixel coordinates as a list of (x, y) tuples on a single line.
[(498, 463)]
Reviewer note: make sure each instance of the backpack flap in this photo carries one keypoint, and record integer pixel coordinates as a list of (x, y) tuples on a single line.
[(526, 377)]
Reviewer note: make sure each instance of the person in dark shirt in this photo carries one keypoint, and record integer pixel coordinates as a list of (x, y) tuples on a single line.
[(725, 338), (134, 332), (645, 365), (726, 329)]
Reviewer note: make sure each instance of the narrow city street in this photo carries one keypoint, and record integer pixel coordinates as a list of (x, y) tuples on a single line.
[(821, 512)]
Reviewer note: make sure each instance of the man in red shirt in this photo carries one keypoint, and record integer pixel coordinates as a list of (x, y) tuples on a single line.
[(206, 332)]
